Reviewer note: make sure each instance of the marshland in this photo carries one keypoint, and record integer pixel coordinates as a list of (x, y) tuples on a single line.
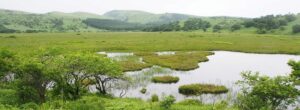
[(136, 60)]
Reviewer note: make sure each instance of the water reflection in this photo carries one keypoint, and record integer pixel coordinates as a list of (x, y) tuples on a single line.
[(223, 68)]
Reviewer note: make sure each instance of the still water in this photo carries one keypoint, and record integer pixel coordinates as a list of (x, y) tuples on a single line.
[(223, 68)]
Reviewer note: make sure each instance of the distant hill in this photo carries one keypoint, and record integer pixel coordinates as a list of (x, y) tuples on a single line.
[(18, 21), (145, 17)]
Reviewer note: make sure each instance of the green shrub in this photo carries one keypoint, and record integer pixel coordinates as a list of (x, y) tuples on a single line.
[(165, 79), (12, 36), (198, 89), (154, 98), (167, 102), (143, 90), (296, 28), (266, 93)]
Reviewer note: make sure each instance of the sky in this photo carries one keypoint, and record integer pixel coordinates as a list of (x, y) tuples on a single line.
[(236, 8)]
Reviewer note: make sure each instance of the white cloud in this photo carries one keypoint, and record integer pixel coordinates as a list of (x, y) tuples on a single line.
[(243, 8)]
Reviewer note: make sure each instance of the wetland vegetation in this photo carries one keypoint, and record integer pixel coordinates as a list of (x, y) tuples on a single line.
[(134, 60), (165, 79)]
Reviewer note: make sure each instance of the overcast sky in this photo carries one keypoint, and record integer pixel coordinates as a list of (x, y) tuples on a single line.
[(241, 8)]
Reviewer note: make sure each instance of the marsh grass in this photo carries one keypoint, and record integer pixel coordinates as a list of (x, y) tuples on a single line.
[(131, 63), (198, 89), (153, 42), (165, 79), (179, 61), (143, 90), (133, 66)]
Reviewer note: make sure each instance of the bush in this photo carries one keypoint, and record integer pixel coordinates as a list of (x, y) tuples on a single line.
[(198, 89), (262, 92), (12, 36), (235, 27), (167, 102), (154, 98), (296, 28), (217, 28), (165, 79), (143, 90)]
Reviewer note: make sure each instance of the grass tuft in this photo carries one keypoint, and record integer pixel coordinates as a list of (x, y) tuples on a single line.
[(198, 89), (165, 79)]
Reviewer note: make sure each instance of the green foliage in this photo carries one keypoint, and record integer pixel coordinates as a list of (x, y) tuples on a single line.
[(72, 74), (196, 24), (296, 71), (33, 76), (111, 24), (165, 79), (103, 70), (7, 61), (290, 17), (217, 28), (173, 26), (198, 89), (296, 28), (235, 27), (6, 30), (154, 98), (262, 92), (143, 90), (167, 102), (267, 23)]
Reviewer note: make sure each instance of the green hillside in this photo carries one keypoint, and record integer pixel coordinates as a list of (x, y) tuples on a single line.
[(18, 21), (145, 17)]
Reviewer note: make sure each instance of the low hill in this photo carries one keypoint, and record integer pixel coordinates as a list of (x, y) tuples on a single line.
[(142, 17), (18, 21)]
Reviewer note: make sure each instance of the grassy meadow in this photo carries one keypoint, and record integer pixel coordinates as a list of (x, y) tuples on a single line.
[(152, 41)]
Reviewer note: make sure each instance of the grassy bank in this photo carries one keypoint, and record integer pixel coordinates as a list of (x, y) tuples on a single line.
[(178, 61), (94, 102), (150, 42)]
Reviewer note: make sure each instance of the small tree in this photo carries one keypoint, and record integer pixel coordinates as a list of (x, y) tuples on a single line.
[(296, 69), (217, 28), (262, 92), (235, 27), (34, 74), (102, 71), (296, 28), (69, 81)]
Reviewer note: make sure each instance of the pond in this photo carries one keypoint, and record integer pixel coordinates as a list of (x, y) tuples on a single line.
[(223, 68)]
